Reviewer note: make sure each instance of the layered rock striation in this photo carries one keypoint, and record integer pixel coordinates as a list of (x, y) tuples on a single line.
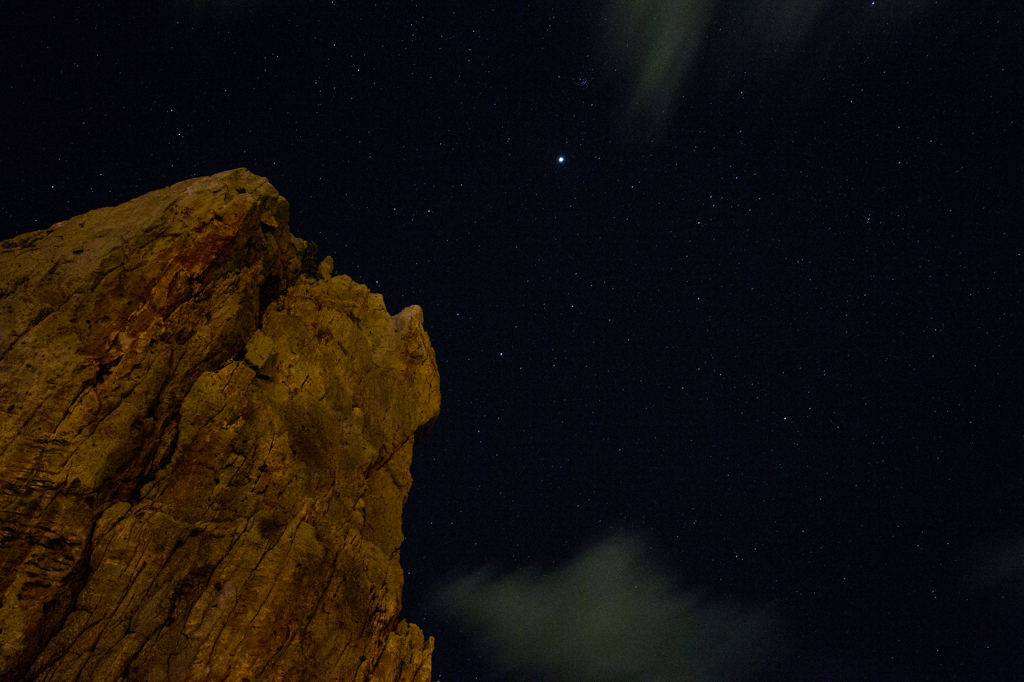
[(205, 442)]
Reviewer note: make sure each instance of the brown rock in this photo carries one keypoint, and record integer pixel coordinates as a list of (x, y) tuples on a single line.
[(204, 449)]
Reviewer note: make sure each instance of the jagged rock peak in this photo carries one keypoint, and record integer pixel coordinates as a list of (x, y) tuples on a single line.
[(204, 449)]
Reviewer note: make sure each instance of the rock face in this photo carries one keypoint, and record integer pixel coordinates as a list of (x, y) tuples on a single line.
[(204, 449)]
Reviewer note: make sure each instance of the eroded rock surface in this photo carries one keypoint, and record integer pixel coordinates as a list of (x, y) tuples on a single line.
[(204, 449)]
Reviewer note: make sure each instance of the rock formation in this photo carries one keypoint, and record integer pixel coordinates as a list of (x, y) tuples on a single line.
[(204, 449)]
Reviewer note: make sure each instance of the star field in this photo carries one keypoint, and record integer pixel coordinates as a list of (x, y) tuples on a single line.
[(764, 322)]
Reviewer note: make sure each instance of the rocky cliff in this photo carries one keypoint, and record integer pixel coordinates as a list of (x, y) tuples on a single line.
[(205, 442)]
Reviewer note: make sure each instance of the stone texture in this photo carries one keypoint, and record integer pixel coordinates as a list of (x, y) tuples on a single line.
[(205, 442)]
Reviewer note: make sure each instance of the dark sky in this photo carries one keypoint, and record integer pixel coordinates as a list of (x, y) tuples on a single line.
[(741, 374)]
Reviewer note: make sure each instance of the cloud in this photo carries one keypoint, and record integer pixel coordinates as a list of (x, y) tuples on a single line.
[(609, 615), (653, 44), (997, 569)]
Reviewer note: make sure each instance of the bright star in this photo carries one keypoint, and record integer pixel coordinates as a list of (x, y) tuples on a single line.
[(561, 159)]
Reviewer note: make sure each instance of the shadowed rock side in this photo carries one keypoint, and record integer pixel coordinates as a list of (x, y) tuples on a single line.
[(204, 452)]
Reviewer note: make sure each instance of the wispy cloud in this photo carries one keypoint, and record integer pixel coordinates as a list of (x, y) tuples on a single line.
[(608, 615), (654, 43)]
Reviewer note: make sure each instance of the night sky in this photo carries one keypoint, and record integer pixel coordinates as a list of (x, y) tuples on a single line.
[(726, 298)]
